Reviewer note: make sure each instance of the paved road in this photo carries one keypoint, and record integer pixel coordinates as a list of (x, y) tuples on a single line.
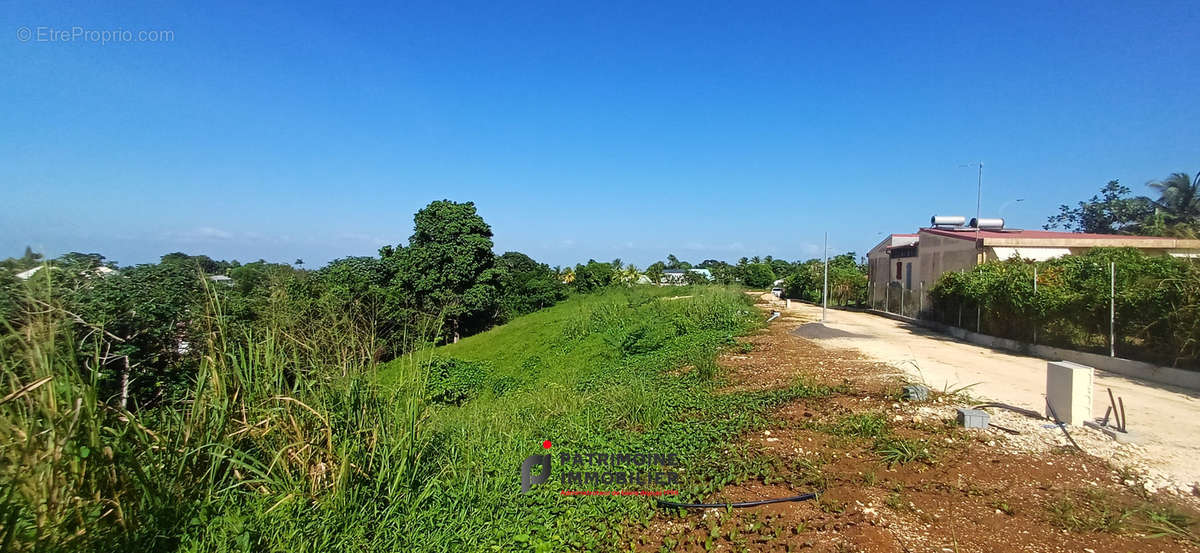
[(1166, 417)]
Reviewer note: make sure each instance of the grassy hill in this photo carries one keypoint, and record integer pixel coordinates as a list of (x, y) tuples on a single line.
[(624, 370)]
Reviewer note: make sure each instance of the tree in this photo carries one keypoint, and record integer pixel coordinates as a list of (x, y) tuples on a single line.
[(257, 276), (630, 274), (526, 285), (758, 275), (206, 264), (781, 268), (674, 263), (692, 277), (847, 280), (448, 266), (806, 281), (138, 320), (1109, 212), (79, 262), (655, 272), (593, 275), (1179, 199)]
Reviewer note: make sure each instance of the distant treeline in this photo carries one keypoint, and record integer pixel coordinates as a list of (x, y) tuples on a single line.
[(146, 319)]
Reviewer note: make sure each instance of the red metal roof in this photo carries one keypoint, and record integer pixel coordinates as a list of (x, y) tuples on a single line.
[(970, 234)]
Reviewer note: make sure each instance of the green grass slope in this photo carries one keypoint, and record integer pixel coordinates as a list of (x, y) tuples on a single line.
[(624, 370)]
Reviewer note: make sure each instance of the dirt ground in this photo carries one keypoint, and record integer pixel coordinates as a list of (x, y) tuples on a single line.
[(900, 476), (1165, 418)]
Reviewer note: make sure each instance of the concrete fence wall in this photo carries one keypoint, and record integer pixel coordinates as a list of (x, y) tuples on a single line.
[(1125, 367)]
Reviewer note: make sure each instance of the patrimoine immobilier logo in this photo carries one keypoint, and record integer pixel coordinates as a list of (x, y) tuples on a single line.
[(631, 473)]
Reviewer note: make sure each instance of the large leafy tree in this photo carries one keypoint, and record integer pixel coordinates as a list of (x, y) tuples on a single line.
[(1111, 211), (526, 285), (206, 264), (594, 275), (758, 275), (448, 267)]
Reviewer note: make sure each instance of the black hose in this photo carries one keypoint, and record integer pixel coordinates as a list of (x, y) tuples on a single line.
[(801, 497), (1063, 426), (1013, 408), (998, 427)]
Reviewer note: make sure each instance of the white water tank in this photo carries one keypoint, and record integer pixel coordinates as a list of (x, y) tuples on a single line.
[(947, 220), (986, 223)]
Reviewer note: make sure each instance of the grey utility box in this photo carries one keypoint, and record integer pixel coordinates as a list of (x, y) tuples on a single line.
[(972, 418), (916, 392), (1069, 391)]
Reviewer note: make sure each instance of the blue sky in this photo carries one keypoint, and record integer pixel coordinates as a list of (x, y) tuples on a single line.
[(620, 129)]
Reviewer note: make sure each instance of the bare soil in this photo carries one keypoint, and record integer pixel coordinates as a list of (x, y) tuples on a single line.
[(965, 490)]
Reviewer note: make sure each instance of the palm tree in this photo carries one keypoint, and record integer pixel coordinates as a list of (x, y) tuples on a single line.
[(1179, 197), (630, 274)]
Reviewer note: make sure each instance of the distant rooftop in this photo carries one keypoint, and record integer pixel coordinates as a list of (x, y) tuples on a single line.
[(967, 233)]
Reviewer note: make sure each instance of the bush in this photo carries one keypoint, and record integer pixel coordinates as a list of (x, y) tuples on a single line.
[(453, 381), (758, 275), (1156, 302)]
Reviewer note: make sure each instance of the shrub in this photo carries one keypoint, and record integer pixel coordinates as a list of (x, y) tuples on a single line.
[(1156, 302), (453, 381), (758, 275)]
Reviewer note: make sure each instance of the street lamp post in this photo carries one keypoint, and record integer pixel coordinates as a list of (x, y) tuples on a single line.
[(825, 287)]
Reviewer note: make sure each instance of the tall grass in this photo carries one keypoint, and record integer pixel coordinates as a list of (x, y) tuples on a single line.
[(291, 438), (275, 421)]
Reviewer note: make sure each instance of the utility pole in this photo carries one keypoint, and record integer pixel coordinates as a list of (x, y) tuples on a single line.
[(978, 199), (825, 288)]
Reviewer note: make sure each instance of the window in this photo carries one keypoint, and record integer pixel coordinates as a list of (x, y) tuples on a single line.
[(899, 270)]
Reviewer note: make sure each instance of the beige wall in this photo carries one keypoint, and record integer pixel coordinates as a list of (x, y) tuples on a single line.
[(940, 254)]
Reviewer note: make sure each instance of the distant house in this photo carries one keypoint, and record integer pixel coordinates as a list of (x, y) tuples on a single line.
[(25, 275), (98, 271), (221, 279), (676, 276)]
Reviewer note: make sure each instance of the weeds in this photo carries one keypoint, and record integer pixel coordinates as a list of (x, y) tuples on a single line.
[(898, 451), (1092, 510), (1098, 510)]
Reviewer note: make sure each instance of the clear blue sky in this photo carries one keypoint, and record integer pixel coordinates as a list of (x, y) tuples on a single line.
[(619, 129)]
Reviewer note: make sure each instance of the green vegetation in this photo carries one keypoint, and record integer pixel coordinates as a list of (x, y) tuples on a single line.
[(1176, 212), (1098, 510), (1157, 302), (289, 439), (803, 279), (899, 451), (847, 280), (623, 370)]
